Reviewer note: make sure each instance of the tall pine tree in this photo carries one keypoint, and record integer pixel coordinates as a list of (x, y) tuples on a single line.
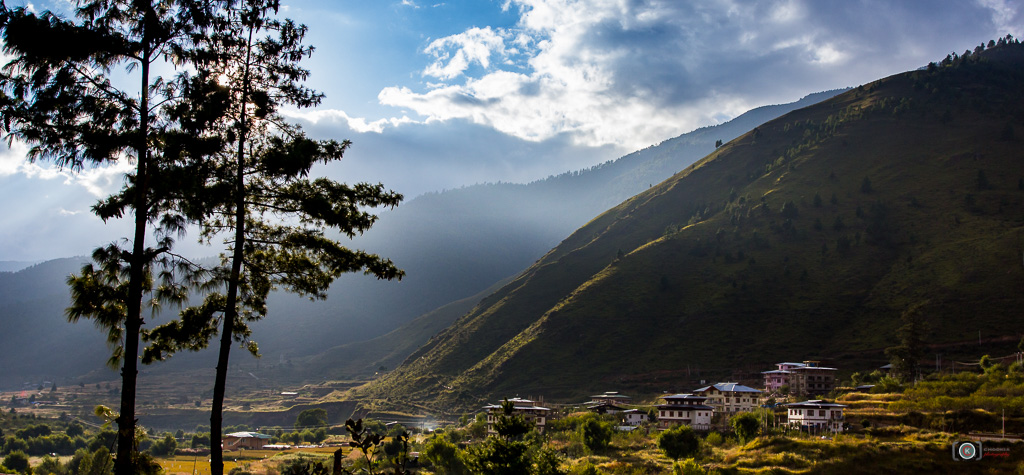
[(59, 97), (260, 202)]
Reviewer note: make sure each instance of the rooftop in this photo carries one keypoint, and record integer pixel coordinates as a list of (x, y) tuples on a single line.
[(729, 387), (814, 403), (248, 435)]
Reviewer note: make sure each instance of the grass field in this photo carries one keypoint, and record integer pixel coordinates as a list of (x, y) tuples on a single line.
[(251, 459)]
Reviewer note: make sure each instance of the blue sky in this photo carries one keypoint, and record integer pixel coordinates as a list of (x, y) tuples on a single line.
[(441, 94)]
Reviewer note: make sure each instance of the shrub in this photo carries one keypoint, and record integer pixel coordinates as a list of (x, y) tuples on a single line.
[(444, 456), (746, 426), (679, 442), (596, 434), (17, 461)]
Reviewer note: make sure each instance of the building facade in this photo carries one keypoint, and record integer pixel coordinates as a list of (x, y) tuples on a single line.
[(816, 415), (800, 379), (522, 407), (729, 398), (686, 409), (245, 440)]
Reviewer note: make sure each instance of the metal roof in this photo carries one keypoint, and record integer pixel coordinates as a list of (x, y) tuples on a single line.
[(686, 396), (685, 407), (814, 403), (248, 435), (729, 388)]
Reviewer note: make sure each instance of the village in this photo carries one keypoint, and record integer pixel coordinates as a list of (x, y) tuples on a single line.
[(702, 409)]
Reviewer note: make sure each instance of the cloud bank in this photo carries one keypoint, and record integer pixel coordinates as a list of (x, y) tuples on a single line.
[(632, 73)]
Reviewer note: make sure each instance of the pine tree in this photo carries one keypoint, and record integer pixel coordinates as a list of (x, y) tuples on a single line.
[(58, 96), (270, 216)]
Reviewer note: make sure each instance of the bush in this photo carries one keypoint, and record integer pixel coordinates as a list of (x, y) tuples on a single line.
[(596, 434), (746, 426), (688, 467), (17, 461), (444, 456), (679, 442)]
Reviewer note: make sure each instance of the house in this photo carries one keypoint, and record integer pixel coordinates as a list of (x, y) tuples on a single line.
[(245, 440), (802, 379), (634, 417), (812, 379), (816, 415), (611, 397), (687, 409), (728, 398), (523, 407), (775, 379)]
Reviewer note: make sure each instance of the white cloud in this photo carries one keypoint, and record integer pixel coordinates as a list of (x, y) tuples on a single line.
[(357, 124), (99, 181), (1005, 16), (475, 45), (630, 74)]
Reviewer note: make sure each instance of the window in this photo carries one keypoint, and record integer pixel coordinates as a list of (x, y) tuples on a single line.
[(821, 412)]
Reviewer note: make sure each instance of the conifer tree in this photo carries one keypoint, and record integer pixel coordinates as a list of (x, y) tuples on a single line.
[(59, 96), (260, 202)]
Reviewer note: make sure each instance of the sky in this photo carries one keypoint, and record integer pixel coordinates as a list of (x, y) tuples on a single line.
[(440, 94)]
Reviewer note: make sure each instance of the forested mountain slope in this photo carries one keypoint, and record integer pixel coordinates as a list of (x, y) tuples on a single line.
[(809, 236)]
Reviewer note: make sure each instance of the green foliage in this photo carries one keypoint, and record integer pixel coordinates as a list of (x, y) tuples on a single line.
[(17, 461), (547, 462), (165, 446), (714, 439), (499, 456), (679, 442), (745, 425), (510, 425), (316, 417), (596, 434), (687, 467), (371, 446), (64, 102), (444, 456), (887, 384), (303, 465), (906, 356)]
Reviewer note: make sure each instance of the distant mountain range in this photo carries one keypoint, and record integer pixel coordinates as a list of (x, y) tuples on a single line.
[(455, 245), (805, 238)]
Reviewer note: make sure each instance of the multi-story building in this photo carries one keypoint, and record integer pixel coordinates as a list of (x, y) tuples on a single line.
[(802, 379), (816, 415), (730, 398), (685, 409), (522, 407), (611, 397)]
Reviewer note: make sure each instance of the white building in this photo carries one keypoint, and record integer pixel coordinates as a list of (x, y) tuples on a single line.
[(729, 398), (523, 407), (633, 417), (686, 409), (816, 415)]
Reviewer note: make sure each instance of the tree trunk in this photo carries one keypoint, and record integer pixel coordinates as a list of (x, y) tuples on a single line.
[(230, 310), (133, 319)]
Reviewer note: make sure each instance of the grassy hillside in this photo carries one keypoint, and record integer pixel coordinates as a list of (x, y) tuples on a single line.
[(805, 238)]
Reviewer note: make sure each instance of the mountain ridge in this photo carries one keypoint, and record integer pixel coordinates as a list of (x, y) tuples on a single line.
[(749, 237)]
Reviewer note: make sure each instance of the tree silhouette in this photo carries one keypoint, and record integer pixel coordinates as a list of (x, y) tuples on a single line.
[(259, 201), (905, 356), (59, 97)]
